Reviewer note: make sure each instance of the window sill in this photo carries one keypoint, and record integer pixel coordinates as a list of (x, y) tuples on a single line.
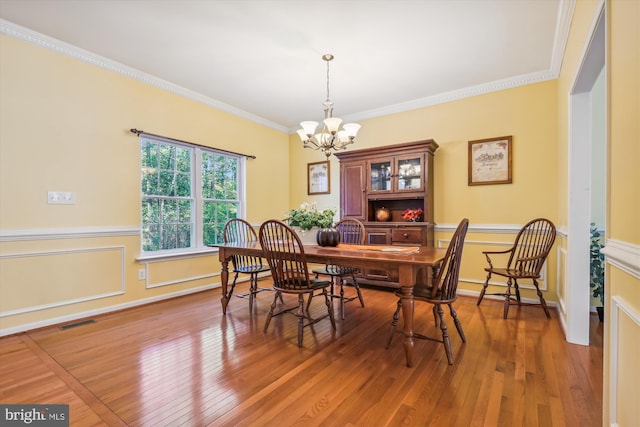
[(167, 256)]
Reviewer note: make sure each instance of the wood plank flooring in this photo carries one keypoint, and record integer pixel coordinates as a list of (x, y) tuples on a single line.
[(181, 363)]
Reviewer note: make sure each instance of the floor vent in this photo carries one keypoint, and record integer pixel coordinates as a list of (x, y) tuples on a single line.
[(73, 325)]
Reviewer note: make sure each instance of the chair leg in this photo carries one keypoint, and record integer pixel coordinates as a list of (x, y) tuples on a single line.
[(233, 286), (300, 315), (329, 302), (484, 289), (445, 336), (542, 301), (357, 286), (457, 322), (507, 299), (271, 310), (394, 323), (341, 296), (517, 288), (253, 290), (309, 300)]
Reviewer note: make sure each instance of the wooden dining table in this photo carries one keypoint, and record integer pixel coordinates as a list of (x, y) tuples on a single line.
[(406, 262)]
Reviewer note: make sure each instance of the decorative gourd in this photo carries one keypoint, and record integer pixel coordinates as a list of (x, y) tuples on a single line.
[(383, 214), (328, 237)]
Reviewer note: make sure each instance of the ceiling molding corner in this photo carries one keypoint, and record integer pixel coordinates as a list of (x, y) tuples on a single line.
[(495, 86), (563, 26), (24, 34)]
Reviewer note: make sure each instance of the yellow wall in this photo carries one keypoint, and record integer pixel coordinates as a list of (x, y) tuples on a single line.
[(528, 113), (622, 373), (65, 127), (622, 300)]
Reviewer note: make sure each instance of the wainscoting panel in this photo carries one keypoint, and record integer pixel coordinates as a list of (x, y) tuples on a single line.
[(623, 363), (59, 277)]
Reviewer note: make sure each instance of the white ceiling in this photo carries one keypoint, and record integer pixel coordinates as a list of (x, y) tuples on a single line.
[(261, 59)]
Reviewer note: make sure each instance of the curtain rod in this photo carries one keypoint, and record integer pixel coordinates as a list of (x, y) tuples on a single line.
[(141, 132)]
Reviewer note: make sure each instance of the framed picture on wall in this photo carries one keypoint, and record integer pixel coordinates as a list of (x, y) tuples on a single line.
[(490, 161), (318, 178)]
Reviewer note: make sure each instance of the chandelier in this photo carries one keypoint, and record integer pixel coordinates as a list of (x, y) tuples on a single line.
[(330, 137)]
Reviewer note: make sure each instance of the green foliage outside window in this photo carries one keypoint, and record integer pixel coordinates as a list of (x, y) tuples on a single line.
[(168, 199)]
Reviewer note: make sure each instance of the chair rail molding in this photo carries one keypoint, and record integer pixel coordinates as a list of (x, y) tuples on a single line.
[(623, 255), (13, 235), (483, 228)]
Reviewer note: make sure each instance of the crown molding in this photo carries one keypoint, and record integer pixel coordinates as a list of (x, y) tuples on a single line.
[(468, 92), (21, 33), (563, 25)]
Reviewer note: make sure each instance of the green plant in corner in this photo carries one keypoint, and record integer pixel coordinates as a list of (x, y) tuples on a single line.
[(597, 265), (308, 216)]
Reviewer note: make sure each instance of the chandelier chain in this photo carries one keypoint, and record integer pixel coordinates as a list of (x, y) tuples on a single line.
[(328, 81)]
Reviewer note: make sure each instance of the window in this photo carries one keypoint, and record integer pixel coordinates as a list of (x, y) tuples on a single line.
[(188, 194)]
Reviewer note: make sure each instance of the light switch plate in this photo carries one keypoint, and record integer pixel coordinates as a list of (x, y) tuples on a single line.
[(61, 198)]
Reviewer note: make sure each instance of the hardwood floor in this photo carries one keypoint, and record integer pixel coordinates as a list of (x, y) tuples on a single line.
[(181, 363)]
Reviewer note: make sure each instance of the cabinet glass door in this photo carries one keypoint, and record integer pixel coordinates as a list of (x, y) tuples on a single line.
[(380, 176), (410, 174)]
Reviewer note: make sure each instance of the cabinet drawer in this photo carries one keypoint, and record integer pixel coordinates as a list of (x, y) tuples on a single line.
[(406, 235)]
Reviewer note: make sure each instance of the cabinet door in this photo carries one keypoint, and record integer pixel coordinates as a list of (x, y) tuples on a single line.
[(380, 175), (410, 172), (352, 192)]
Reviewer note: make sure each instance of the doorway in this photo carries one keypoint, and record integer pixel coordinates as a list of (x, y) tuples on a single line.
[(581, 134)]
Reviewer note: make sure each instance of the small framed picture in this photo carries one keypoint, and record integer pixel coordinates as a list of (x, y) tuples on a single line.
[(318, 178), (490, 161)]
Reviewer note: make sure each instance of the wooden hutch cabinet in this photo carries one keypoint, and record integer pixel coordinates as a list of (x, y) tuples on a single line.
[(390, 178)]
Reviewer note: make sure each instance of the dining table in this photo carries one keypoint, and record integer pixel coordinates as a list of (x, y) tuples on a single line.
[(406, 262)]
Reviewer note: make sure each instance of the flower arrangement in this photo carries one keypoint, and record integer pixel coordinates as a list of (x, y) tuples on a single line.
[(412, 214), (308, 216)]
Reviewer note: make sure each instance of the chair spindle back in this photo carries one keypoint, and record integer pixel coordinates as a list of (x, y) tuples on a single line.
[(532, 245), (447, 280), (285, 254), (238, 230), (351, 231)]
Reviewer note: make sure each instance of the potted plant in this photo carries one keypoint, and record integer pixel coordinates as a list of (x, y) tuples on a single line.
[(597, 269), (305, 218)]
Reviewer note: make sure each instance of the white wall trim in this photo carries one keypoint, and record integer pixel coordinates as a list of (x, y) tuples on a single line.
[(12, 235), (483, 228), (102, 310), (619, 306), (62, 303), (177, 281), (623, 255), (563, 26), (21, 33), (467, 92), (560, 273), (161, 256), (562, 32)]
